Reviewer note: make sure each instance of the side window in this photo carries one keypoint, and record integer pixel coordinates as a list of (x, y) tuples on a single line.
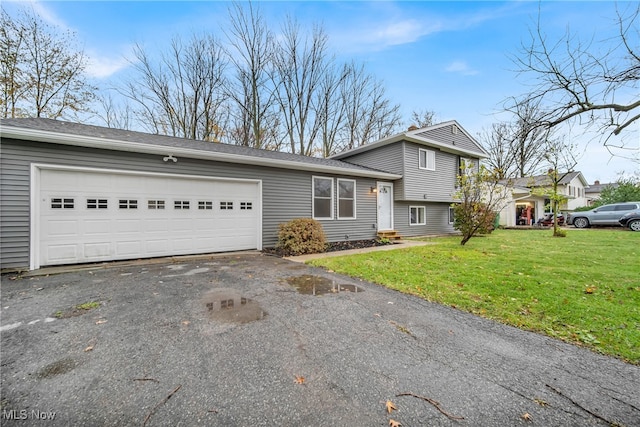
[(181, 204), (246, 206), (451, 215), (417, 215), (206, 205), (346, 199), (322, 198), (625, 207), (606, 209), (427, 159), (226, 206)]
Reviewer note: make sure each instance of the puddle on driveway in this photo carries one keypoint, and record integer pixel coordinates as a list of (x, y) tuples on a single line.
[(229, 306), (316, 285)]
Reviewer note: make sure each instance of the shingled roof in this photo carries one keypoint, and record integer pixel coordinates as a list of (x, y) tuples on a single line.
[(541, 180), (69, 133)]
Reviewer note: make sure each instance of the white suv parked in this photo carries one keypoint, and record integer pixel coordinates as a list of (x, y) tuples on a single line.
[(602, 215)]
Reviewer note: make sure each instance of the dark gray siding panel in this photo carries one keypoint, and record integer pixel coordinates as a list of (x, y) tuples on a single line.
[(444, 135), (387, 158), (286, 194), (437, 215), (426, 185)]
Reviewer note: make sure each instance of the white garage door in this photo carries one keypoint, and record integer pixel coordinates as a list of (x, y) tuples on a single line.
[(92, 215)]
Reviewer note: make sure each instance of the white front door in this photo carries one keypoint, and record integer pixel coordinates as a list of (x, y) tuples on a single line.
[(90, 215), (385, 206)]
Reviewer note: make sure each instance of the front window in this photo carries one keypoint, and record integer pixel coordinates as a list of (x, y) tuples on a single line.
[(417, 215), (322, 198), (346, 199), (427, 159)]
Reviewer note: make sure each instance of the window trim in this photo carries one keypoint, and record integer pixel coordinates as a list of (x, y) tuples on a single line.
[(353, 201), (428, 154), (424, 216), (331, 198)]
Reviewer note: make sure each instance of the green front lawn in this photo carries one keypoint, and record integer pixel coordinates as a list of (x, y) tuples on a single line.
[(584, 288)]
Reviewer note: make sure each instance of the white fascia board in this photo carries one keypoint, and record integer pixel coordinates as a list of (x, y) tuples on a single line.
[(444, 147), (137, 147), (411, 138)]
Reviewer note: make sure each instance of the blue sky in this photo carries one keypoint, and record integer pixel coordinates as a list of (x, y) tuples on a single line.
[(450, 57)]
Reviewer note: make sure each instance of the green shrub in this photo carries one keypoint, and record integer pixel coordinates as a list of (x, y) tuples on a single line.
[(301, 236)]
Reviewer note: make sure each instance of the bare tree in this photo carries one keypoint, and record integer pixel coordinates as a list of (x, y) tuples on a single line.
[(498, 142), (560, 161), (592, 82), (252, 90), (423, 118), (183, 94), (300, 65), (42, 73), (516, 148), (114, 115), (330, 107)]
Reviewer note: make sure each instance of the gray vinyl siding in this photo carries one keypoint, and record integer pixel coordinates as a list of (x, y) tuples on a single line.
[(286, 194), (458, 141), (437, 216), (388, 158), (426, 185)]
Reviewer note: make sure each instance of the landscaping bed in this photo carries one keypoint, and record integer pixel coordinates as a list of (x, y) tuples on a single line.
[(337, 246)]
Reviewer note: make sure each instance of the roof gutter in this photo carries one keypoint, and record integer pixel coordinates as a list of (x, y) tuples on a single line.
[(137, 147)]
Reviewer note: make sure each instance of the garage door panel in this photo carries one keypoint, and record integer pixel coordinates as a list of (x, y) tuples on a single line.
[(62, 254), (94, 251), (99, 227), (130, 248), (62, 228), (181, 225), (127, 226), (159, 246), (92, 215)]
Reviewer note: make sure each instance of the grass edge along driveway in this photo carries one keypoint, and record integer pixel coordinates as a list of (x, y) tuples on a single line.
[(583, 288)]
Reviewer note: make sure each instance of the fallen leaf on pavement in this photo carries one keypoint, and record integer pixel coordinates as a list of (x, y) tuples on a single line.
[(101, 321), (299, 379), (186, 322), (390, 406), (394, 423), (89, 348), (527, 416), (540, 402)]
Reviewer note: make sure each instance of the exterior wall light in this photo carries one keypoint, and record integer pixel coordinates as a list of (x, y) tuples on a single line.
[(170, 157)]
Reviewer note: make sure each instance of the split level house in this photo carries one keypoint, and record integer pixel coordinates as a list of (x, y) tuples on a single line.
[(74, 193), (528, 201)]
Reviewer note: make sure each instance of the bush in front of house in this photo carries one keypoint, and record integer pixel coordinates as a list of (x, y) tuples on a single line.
[(301, 236)]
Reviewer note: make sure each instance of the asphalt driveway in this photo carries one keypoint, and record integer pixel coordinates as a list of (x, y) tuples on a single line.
[(242, 340)]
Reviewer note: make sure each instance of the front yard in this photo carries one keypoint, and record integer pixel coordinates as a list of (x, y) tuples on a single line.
[(584, 288)]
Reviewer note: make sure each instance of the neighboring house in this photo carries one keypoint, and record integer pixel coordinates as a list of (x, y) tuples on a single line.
[(594, 190), (529, 203), (73, 193)]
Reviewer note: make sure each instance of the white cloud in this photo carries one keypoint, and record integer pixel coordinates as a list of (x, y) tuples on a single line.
[(45, 13), (461, 67), (102, 67), (397, 33)]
